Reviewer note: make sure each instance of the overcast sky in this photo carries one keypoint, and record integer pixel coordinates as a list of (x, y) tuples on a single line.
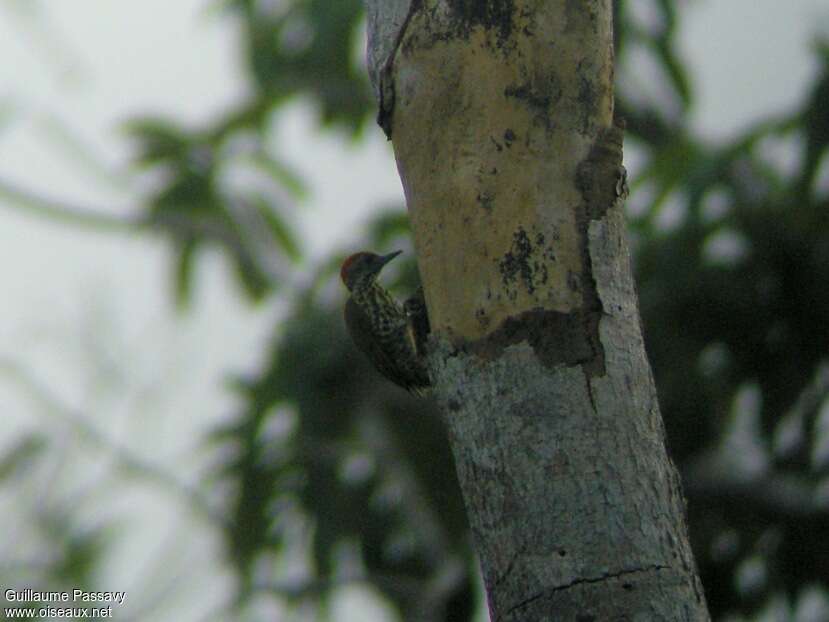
[(73, 298)]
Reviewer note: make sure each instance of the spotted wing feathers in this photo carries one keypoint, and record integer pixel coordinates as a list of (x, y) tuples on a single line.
[(391, 351)]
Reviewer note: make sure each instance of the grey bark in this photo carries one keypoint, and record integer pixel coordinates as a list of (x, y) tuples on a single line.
[(576, 510), (501, 118)]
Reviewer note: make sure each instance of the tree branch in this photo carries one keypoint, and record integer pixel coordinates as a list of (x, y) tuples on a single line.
[(34, 204), (126, 458)]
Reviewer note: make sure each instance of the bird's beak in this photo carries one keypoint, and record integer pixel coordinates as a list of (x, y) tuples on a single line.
[(384, 259)]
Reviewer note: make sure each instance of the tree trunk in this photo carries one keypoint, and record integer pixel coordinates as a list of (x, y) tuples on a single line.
[(501, 115)]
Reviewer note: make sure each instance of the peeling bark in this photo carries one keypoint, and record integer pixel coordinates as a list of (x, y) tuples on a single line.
[(387, 22), (501, 115)]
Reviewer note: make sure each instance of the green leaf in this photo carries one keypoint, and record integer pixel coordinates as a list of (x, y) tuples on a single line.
[(286, 177), (183, 276), (21, 455), (158, 140), (282, 233), (675, 70)]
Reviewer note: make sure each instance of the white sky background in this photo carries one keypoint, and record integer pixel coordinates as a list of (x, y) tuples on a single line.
[(90, 313)]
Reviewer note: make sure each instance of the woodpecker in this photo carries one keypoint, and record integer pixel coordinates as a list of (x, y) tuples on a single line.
[(390, 334)]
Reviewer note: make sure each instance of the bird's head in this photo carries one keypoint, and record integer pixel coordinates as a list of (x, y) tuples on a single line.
[(363, 265)]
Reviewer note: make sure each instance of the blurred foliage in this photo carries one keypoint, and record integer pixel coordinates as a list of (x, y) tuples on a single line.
[(332, 465), (732, 304), (66, 554), (732, 299), (304, 48), (193, 206)]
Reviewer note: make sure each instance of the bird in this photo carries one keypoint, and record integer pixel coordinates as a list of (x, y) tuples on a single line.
[(391, 335)]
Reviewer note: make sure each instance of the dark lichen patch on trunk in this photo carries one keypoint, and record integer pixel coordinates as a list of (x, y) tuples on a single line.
[(493, 15), (515, 264), (497, 18), (581, 13), (540, 94), (525, 264), (588, 94), (485, 200), (535, 98), (557, 338)]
